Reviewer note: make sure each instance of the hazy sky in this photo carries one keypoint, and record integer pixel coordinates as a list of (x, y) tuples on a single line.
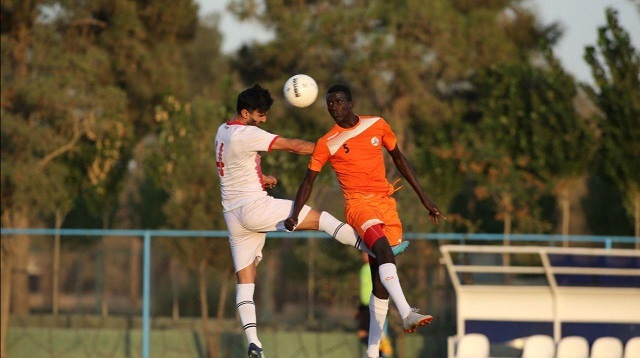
[(580, 19)]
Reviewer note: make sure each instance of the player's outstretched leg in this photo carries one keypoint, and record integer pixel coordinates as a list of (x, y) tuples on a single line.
[(342, 232), (347, 235)]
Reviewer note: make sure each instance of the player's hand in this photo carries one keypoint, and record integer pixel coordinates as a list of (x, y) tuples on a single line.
[(435, 215), (290, 224), (269, 181)]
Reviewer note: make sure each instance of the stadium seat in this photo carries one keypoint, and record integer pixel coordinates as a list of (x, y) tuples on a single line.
[(573, 347), (473, 345), (632, 348), (539, 346), (606, 347)]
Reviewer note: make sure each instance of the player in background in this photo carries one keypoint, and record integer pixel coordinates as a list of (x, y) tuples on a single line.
[(353, 147), (249, 211)]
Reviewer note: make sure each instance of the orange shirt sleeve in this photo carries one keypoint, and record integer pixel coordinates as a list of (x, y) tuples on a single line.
[(389, 139), (320, 155)]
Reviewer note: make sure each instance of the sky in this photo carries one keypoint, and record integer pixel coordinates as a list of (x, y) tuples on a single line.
[(580, 19)]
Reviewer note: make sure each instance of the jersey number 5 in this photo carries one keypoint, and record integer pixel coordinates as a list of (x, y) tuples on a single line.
[(219, 162), (346, 149)]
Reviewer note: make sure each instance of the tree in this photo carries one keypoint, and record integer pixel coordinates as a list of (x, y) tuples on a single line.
[(71, 106), (409, 62), (183, 164), (533, 117), (59, 109), (615, 66), (511, 144), (565, 140)]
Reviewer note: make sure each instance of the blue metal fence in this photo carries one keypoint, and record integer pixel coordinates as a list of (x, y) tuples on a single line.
[(148, 235)]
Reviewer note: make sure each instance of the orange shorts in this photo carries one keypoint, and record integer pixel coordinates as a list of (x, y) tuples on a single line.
[(362, 212)]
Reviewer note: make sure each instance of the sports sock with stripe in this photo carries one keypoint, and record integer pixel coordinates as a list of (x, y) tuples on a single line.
[(247, 311), (342, 232)]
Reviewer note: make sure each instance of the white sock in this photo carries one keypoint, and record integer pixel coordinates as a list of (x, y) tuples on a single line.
[(389, 277), (342, 232), (378, 309), (247, 311)]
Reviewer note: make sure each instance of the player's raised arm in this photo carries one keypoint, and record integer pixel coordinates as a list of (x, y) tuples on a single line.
[(407, 172), (304, 191), (297, 146)]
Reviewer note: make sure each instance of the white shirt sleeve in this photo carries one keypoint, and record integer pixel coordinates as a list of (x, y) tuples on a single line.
[(258, 140)]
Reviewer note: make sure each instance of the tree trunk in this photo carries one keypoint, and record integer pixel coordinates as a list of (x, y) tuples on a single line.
[(134, 272), (267, 287), (19, 274), (311, 282), (55, 290), (565, 208), (422, 275), (105, 293), (6, 265), (224, 290), (204, 308), (175, 289), (636, 217), (508, 222)]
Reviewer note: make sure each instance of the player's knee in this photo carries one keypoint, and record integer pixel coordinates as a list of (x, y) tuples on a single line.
[(382, 250)]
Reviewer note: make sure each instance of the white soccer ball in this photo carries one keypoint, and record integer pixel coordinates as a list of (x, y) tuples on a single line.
[(301, 90)]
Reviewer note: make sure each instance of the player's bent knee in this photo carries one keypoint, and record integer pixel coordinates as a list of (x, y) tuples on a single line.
[(373, 234)]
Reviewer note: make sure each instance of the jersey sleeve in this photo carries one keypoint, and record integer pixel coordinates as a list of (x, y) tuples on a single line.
[(259, 140), (389, 139), (320, 156)]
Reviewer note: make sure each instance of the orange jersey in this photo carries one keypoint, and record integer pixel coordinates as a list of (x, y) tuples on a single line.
[(355, 154)]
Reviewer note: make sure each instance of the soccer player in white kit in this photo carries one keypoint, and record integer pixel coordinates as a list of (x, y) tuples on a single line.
[(249, 211)]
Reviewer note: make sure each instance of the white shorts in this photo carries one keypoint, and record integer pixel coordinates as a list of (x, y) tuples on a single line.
[(248, 226)]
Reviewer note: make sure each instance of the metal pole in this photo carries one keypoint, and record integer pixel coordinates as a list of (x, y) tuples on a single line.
[(146, 291)]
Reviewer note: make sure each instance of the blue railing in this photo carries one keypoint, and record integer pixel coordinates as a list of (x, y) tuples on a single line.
[(147, 235)]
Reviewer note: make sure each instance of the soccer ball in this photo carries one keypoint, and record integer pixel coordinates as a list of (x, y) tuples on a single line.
[(300, 90)]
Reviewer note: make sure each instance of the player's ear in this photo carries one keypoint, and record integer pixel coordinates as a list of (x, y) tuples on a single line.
[(244, 113)]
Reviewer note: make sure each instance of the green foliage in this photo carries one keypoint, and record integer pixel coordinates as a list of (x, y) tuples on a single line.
[(182, 162), (474, 101), (66, 121), (615, 65), (408, 62)]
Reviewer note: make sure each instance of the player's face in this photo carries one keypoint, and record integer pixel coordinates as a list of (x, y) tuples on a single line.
[(255, 118), (339, 106)]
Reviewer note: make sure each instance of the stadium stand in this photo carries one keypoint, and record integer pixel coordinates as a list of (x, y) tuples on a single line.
[(509, 293), (632, 348), (606, 347), (473, 345), (573, 347), (539, 346)]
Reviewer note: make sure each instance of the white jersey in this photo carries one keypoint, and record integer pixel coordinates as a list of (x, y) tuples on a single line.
[(238, 163)]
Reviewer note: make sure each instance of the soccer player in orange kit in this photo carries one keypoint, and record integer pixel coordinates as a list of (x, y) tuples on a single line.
[(353, 147)]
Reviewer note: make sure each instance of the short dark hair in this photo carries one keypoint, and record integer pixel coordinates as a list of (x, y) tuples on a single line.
[(341, 88), (254, 98)]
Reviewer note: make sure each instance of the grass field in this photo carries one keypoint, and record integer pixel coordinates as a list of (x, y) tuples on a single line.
[(27, 342)]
